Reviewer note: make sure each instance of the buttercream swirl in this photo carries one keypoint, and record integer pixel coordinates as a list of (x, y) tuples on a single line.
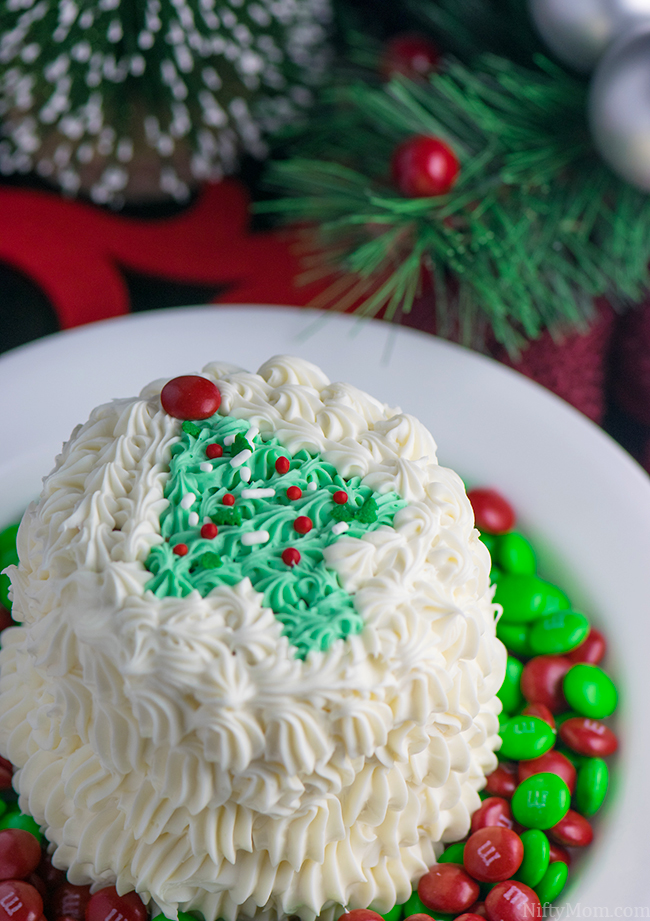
[(177, 746)]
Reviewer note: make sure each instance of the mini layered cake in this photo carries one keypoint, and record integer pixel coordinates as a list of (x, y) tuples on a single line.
[(256, 668)]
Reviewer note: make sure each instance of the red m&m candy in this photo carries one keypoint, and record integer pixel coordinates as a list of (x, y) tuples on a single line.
[(361, 914), (592, 650), (552, 762), (447, 887), (502, 781), (541, 681), (491, 511), (70, 901), (19, 901), (588, 737), (573, 830), (107, 905), (493, 811), (512, 901), (190, 397), (20, 853), (541, 711), (493, 854)]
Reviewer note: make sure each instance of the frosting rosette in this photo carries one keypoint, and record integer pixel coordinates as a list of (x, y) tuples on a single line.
[(220, 729)]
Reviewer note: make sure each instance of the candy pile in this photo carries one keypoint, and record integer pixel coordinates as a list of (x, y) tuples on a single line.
[(550, 781)]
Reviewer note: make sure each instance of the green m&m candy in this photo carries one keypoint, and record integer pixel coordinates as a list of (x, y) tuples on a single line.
[(590, 691), (553, 882), (510, 693), (591, 785), (17, 819), (515, 554), (526, 597), (541, 801), (558, 633), (537, 854), (525, 737), (395, 914), (8, 545), (453, 853), (514, 637)]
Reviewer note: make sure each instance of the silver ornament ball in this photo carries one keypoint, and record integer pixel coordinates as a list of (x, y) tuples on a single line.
[(579, 31), (619, 107)]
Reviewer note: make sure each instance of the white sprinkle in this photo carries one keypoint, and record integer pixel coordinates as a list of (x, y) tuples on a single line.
[(257, 493), (244, 474), (207, 520), (312, 486), (250, 538), (205, 467), (340, 527), (241, 458), (193, 519), (188, 500), (229, 440), (252, 432)]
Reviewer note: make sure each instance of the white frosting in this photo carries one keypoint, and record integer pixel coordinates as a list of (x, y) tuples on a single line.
[(177, 746)]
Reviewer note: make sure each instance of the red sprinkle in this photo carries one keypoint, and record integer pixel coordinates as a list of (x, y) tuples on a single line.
[(107, 904), (552, 762), (588, 737), (491, 511), (291, 556), (282, 465), (447, 887), (303, 524), (294, 492), (541, 711), (209, 530), (180, 549), (493, 811), (214, 450), (19, 901), (573, 830), (493, 854), (340, 497), (502, 781), (190, 397), (591, 650), (541, 681), (228, 499)]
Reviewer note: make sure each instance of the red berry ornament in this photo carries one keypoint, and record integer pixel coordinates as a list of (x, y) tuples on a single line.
[(552, 762), (180, 549), (512, 901), (282, 465), (107, 905), (541, 681), (493, 811), (190, 397), (213, 451), (294, 492), (340, 497), (592, 650), (19, 901), (491, 511), (291, 556), (424, 166), (588, 737), (411, 55), (493, 854), (303, 524), (503, 781), (70, 901), (448, 887), (573, 830), (20, 853), (209, 531), (228, 499)]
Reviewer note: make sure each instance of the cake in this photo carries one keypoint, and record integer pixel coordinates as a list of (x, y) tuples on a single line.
[(255, 670)]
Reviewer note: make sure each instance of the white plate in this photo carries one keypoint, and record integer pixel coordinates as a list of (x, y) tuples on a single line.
[(585, 503)]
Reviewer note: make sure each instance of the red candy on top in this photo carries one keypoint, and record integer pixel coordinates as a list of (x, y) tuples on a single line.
[(491, 511), (512, 901), (282, 465), (573, 830), (493, 811), (423, 166), (411, 54), (20, 853), (541, 681), (19, 901), (493, 854), (209, 530), (502, 781), (592, 649), (303, 524), (294, 492), (340, 497), (190, 397), (588, 737), (107, 905), (447, 887), (228, 499), (291, 556), (214, 450), (552, 762), (181, 550)]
